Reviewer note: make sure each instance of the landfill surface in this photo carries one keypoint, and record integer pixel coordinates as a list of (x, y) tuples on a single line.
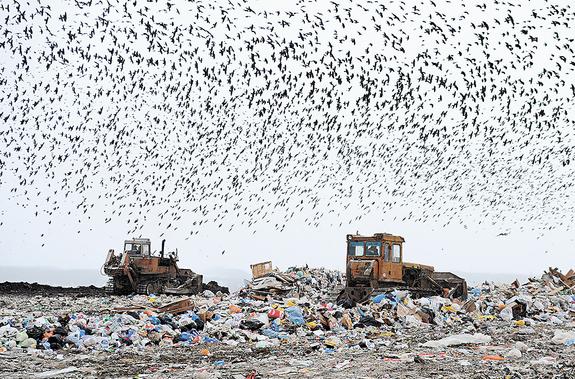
[(287, 325)]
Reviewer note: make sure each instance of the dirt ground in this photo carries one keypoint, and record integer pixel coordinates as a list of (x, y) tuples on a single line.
[(285, 362), (34, 289)]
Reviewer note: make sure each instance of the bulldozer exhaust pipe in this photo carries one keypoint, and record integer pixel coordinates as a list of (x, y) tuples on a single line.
[(163, 245)]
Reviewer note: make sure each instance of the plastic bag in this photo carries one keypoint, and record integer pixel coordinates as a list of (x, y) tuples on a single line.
[(563, 337), (295, 315), (459, 339)]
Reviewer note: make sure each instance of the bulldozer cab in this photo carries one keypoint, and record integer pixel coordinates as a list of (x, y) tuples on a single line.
[(138, 246), (374, 258)]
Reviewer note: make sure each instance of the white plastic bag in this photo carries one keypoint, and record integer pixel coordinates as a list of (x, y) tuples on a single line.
[(459, 339)]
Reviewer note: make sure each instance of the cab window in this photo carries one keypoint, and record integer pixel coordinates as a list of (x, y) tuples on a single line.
[(396, 254), (133, 247), (386, 253), (373, 249), (355, 249)]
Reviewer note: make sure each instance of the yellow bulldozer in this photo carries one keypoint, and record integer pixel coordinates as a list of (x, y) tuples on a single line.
[(374, 264)]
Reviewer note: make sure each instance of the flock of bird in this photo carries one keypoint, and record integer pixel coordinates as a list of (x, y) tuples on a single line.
[(247, 111)]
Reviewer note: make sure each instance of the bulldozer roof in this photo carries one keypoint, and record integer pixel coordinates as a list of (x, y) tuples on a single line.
[(375, 237), (138, 240)]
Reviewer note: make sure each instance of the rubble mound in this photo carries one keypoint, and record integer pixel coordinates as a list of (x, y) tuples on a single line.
[(34, 289), (214, 287)]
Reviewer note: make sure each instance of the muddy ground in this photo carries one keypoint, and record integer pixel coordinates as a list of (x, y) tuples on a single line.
[(289, 361)]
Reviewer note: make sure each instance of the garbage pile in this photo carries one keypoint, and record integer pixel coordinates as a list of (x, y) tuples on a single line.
[(562, 282), (297, 307), (294, 282)]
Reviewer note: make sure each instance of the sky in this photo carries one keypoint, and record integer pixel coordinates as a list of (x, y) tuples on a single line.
[(525, 232)]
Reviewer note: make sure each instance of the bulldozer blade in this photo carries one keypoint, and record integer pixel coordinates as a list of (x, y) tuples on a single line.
[(350, 296), (456, 286), (179, 291)]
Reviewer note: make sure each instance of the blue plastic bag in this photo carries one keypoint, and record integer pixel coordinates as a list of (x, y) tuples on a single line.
[(379, 298), (295, 315), (154, 320)]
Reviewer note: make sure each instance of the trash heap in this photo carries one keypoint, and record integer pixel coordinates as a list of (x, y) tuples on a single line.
[(297, 307), (295, 283)]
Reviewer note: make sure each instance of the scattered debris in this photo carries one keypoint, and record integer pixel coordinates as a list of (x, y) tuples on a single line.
[(260, 269), (287, 324)]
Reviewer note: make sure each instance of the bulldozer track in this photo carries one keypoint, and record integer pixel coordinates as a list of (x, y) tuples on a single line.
[(142, 289), (110, 288), (149, 288)]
